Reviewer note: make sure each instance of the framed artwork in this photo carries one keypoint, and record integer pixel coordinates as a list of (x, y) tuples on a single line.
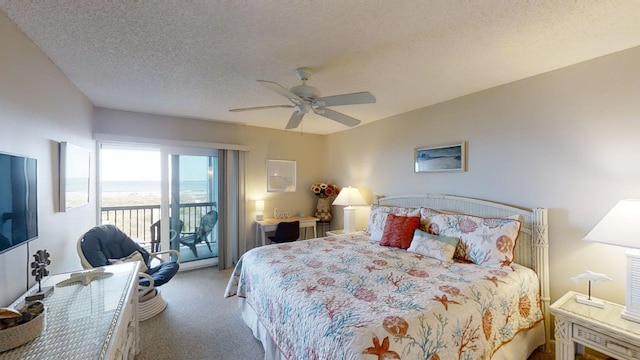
[(74, 176), (452, 157), (281, 176)]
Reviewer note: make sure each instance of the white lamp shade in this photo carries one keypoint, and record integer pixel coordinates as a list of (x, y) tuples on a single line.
[(349, 197), (621, 225)]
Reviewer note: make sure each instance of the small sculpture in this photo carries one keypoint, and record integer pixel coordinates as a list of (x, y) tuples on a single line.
[(39, 266), (592, 277)]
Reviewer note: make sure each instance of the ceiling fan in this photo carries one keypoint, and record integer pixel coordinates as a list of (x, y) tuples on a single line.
[(306, 98)]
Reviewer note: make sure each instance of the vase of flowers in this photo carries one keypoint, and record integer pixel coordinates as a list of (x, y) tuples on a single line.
[(324, 192)]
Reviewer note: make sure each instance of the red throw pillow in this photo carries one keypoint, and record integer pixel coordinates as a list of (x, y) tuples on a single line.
[(398, 231)]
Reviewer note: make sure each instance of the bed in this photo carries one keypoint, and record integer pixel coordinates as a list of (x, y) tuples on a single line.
[(350, 297)]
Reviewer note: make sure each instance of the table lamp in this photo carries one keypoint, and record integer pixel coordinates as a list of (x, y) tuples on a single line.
[(349, 197), (259, 209), (621, 227)]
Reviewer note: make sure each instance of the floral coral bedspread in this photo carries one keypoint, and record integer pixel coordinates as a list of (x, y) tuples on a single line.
[(346, 297)]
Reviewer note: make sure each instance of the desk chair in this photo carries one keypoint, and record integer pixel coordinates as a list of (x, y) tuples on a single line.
[(286, 232)]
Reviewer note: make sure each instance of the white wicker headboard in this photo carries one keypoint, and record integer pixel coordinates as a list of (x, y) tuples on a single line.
[(532, 247)]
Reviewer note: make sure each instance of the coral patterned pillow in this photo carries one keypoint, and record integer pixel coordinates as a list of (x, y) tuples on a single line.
[(483, 241), (398, 231), (378, 218), (425, 217), (434, 246)]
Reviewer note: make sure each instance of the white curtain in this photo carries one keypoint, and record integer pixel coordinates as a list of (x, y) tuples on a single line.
[(231, 206)]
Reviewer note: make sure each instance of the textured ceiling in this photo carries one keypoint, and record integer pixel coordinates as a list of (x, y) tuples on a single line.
[(201, 58)]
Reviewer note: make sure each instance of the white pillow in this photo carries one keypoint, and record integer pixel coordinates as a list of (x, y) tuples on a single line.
[(433, 246), (134, 256), (378, 218)]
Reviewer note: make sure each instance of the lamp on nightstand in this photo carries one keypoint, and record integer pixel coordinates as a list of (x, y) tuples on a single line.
[(349, 197), (621, 227)]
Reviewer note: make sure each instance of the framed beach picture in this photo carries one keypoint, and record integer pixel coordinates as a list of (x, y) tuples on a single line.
[(281, 176), (452, 157)]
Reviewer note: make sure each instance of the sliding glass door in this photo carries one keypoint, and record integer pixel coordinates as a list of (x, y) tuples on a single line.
[(190, 204), (142, 187)]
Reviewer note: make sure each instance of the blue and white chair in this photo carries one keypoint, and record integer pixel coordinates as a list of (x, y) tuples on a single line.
[(107, 245)]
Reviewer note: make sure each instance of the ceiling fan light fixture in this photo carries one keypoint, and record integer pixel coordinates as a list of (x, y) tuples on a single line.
[(304, 108)]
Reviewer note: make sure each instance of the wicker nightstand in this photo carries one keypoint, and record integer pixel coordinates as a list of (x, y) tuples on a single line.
[(602, 330)]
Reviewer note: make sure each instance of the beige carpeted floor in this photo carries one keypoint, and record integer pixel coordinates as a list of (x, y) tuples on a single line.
[(200, 323)]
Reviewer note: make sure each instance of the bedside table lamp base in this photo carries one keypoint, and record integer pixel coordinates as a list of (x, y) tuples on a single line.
[(349, 219), (590, 301), (632, 309), (626, 314)]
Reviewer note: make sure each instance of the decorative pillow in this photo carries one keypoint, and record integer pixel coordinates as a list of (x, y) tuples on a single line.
[(425, 217), (134, 256), (434, 246), (483, 241), (398, 230), (378, 218)]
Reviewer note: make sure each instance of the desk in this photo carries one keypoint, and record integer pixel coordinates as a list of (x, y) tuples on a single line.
[(267, 225), (96, 321)]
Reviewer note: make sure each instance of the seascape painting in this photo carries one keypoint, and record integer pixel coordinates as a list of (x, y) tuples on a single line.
[(281, 176), (74, 176), (441, 158)]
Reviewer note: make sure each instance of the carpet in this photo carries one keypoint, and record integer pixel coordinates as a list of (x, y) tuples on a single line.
[(198, 323)]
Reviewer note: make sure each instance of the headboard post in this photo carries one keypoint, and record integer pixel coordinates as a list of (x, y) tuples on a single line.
[(541, 246)]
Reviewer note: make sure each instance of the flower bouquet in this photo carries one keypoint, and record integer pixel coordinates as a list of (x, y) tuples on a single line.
[(324, 191)]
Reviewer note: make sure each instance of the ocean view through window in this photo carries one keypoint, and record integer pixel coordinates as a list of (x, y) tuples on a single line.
[(131, 194)]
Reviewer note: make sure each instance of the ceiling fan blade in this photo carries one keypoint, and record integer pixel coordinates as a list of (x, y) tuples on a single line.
[(262, 107), (295, 120), (364, 97), (339, 117), (282, 91)]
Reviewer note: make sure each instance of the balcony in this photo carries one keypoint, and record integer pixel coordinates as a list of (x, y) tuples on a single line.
[(136, 221)]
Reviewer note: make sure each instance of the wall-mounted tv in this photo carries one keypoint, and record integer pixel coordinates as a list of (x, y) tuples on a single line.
[(18, 200)]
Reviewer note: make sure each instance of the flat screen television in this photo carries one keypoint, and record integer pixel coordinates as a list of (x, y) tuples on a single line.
[(18, 200)]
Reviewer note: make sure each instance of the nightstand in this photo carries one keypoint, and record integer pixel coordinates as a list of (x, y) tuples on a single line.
[(602, 330)]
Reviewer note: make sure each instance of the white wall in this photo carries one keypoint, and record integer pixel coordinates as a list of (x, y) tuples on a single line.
[(566, 140), (39, 107)]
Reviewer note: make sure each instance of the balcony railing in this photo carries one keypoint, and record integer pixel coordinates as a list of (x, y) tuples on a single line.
[(136, 220)]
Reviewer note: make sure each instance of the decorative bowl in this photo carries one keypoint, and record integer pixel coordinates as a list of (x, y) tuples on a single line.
[(17, 335)]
